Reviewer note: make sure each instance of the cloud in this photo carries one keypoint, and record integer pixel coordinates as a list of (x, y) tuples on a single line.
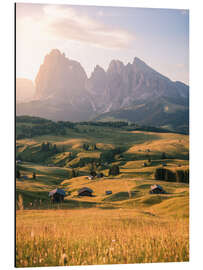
[(67, 24)]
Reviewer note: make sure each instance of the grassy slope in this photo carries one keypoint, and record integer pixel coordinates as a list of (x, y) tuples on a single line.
[(137, 145), (126, 227)]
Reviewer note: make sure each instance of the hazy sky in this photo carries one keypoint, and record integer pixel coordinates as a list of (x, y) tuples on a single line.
[(96, 35)]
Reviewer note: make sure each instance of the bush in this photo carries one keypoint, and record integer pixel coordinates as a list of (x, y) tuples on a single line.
[(114, 170)]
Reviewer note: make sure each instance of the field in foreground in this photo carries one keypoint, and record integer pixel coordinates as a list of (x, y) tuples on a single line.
[(96, 236)]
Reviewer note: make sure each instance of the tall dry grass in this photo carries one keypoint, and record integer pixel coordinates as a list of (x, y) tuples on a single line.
[(20, 204), (95, 236)]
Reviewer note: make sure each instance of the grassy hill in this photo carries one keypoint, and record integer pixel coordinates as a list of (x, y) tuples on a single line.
[(130, 225)]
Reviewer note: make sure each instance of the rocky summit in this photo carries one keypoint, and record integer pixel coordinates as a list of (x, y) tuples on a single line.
[(133, 92)]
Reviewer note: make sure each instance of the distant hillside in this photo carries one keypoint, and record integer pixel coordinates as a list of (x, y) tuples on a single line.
[(133, 92)]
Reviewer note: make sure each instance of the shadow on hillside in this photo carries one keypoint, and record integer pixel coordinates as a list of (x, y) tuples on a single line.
[(121, 196)]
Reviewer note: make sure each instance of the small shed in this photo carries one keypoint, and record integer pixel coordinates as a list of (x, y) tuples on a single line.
[(157, 189), (57, 195), (85, 191), (108, 192)]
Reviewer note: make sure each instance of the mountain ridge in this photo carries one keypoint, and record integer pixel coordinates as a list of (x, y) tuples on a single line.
[(63, 86)]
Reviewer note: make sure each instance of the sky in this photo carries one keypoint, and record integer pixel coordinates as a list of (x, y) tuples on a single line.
[(96, 35)]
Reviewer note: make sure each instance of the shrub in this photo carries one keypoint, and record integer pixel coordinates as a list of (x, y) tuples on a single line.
[(114, 170)]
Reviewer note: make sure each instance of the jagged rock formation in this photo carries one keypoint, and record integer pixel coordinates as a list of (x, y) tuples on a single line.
[(134, 92)]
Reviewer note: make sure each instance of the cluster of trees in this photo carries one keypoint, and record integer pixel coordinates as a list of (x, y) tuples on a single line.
[(163, 174), (109, 155), (89, 147), (114, 124), (93, 167), (135, 127), (31, 119), (49, 147), (40, 126), (114, 170), (73, 173), (18, 174), (27, 131)]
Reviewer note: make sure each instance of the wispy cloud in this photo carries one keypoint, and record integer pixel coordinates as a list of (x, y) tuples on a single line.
[(66, 23)]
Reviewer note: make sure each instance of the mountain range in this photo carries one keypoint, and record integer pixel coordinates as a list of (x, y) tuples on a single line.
[(133, 92)]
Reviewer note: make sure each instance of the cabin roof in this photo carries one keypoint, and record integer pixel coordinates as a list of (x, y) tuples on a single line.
[(85, 189), (156, 187), (58, 191)]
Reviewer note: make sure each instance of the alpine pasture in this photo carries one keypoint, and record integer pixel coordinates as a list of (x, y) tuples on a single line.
[(130, 225)]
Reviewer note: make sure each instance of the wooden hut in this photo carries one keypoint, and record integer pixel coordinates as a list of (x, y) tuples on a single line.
[(108, 192), (85, 191), (57, 195), (157, 189)]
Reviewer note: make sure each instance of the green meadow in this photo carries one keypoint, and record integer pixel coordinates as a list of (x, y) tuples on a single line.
[(128, 226)]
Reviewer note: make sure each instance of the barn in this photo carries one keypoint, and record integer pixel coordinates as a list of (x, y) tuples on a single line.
[(57, 195), (157, 189), (85, 191)]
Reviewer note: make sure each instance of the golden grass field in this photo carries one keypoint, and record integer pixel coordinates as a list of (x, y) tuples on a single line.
[(97, 236), (129, 226)]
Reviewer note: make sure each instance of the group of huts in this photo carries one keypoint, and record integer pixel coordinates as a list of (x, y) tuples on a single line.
[(57, 195)]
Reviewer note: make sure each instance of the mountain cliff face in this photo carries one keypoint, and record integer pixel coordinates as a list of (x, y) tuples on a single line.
[(124, 86), (59, 77), (60, 90), (134, 92)]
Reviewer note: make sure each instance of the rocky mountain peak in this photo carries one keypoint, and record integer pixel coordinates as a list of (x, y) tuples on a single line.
[(116, 66), (59, 77), (64, 87)]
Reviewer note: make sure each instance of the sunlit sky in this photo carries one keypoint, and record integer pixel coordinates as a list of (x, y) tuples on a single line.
[(96, 35)]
